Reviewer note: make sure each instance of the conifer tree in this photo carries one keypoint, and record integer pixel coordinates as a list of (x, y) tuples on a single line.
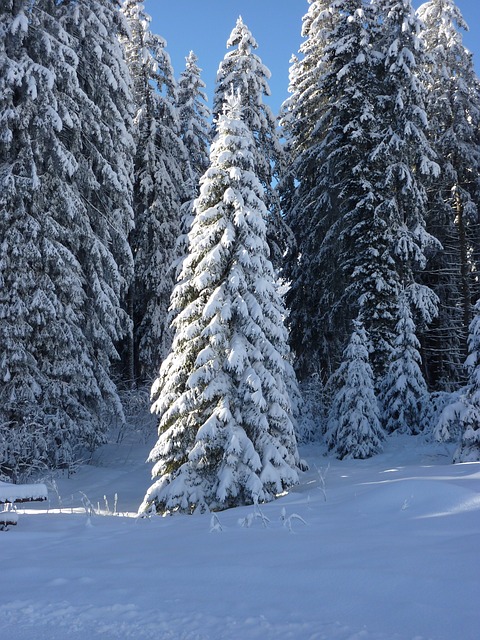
[(161, 186), (345, 263), (460, 418), (243, 70), (308, 206), (193, 116), (104, 149), (403, 155), (53, 383), (363, 233), (27, 300), (330, 124), (353, 428), (226, 433), (469, 447), (355, 126), (404, 391), (453, 109)]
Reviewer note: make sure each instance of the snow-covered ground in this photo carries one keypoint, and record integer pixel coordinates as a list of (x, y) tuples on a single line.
[(387, 548)]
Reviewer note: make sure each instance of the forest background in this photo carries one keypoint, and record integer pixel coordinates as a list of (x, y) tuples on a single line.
[(99, 173)]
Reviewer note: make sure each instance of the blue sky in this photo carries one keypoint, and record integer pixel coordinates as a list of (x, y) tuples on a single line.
[(205, 25)]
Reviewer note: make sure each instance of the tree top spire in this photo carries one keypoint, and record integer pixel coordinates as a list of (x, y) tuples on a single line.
[(233, 104)]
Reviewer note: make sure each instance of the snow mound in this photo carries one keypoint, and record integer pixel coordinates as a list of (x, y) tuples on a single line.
[(22, 492)]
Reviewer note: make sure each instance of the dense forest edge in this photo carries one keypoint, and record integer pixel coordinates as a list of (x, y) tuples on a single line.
[(259, 282)]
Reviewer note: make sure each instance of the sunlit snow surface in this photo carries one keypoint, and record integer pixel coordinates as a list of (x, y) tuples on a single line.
[(392, 553)]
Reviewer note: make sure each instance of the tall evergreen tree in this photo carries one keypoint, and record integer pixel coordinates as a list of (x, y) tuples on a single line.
[(193, 116), (356, 108), (226, 435), (243, 70), (344, 264), (356, 129), (161, 182), (354, 429), (453, 108), (403, 156), (55, 380), (309, 206), (28, 296), (365, 233), (103, 146)]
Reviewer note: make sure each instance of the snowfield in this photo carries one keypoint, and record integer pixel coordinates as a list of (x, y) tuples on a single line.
[(386, 548)]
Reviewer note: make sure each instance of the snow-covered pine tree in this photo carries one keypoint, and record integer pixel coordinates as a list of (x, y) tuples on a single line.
[(299, 115), (353, 427), (364, 235), (50, 395), (331, 87), (300, 111), (403, 391), (460, 418), (453, 109), (226, 435), (403, 156), (243, 70), (345, 263), (161, 186), (103, 146), (25, 81), (469, 447), (193, 116)]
